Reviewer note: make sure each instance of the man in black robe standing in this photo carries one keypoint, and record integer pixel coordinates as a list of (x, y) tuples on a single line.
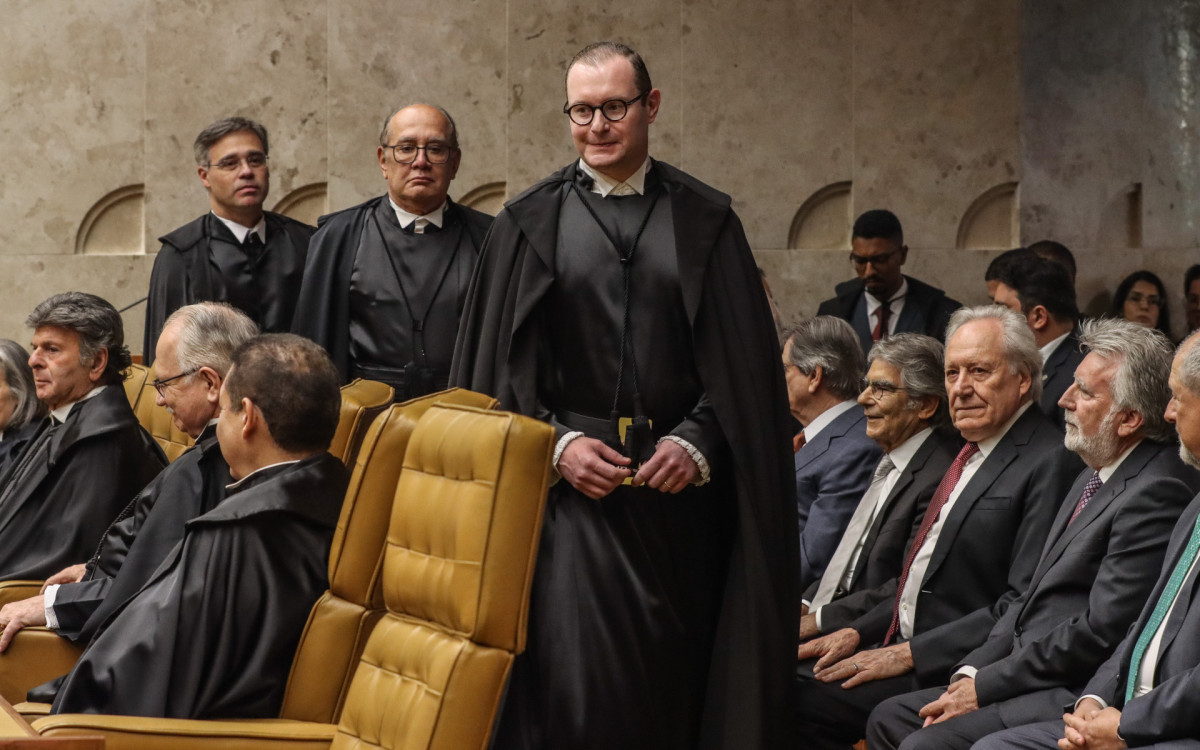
[(386, 280), (194, 354), (89, 456), (213, 633), (237, 252), (619, 301)]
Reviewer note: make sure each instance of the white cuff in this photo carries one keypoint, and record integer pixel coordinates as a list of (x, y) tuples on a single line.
[(1103, 703), (48, 597), (696, 456), (964, 671), (817, 614), (559, 447)]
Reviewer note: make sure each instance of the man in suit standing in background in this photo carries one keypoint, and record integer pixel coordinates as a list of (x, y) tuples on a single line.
[(881, 301), (824, 367)]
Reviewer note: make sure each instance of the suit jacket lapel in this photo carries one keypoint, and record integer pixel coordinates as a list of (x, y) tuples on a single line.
[(820, 444), (912, 315)]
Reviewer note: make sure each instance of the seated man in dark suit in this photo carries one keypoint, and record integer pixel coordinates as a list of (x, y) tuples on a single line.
[(1041, 290), (823, 368), (89, 456), (882, 301), (1147, 694), (194, 353), (1104, 552), (904, 400), (975, 549), (213, 633)]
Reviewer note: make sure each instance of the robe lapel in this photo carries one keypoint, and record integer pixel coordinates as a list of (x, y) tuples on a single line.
[(697, 230)]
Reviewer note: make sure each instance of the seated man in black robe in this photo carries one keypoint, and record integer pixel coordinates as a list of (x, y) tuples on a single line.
[(237, 252), (386, 280), (618, 300), (213, 633), (89, 455), (194, 353)]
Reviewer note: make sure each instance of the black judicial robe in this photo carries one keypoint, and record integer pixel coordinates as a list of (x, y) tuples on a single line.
[(500, 351), (213, 633), (331, 290), (12, 445), (203, 262), (98, 459), (140, 538)]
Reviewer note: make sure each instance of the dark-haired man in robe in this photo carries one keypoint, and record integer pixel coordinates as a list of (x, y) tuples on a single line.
[(213, 633), (237, 252), (618, 300), (386, 280)]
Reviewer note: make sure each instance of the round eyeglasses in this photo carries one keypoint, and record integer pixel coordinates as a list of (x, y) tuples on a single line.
[(614, 110), (406, 153)]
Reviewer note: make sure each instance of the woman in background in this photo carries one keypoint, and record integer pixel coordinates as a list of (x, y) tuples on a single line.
[(20, 410), (1142, 298)]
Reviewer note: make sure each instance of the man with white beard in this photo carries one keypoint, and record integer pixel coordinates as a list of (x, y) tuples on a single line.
[(1104, 550)]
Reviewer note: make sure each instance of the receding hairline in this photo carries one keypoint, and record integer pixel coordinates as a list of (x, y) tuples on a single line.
[(450, 129)]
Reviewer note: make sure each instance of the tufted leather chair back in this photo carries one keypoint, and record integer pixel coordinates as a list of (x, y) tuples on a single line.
[(342, 618), (156, 420), (135, 378), (362, 400), (458, 568)]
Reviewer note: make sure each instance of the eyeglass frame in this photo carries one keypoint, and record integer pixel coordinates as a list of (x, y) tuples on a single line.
[(879, 389), (876, 260), (449, 152), (600, 108), (266, 159), (1153, 300), (160, 385)]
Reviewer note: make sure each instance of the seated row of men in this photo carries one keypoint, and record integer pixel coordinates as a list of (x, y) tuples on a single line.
[(968, 571), (147, 566)]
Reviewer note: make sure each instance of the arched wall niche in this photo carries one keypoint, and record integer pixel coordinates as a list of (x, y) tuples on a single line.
[(113, 225), (823, 221)]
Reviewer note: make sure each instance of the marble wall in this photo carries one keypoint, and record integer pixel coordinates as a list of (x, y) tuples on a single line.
[(982, 124)]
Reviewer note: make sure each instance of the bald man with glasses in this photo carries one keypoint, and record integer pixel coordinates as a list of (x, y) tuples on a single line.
[(386, 280)]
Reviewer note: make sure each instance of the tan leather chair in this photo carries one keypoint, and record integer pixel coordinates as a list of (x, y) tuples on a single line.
[(456, 580), (157, 421), (362, 400), (134, 380)]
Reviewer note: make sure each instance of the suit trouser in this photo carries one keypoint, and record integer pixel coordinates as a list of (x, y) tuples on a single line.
[(896, 723), (829, 717), (1045, 735)]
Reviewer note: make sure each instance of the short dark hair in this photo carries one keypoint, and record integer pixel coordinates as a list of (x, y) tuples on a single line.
[(1057, 252), (293, 383), (1000, 265), (878, 223), (221, 128), (830, 343), (1038, 281), (598, 53), (451, 137), (97, 324), (1189, 276), (1164, 311)]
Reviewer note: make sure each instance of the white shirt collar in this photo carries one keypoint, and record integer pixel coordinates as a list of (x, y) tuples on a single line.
[(987, 445), (823, 419), (63, 411), (1107, 471), (904, 452), (1050, 346), (874, 303), (406, 218), (259, 470), (606, 186), (240, 232)]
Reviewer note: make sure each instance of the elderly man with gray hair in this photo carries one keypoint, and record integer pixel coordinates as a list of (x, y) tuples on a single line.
[(823, 366), (1104, 552), (90, 455), (904, 400), (975, 549), (20, 410)]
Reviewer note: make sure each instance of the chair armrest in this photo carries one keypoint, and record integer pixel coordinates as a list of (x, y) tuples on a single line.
[(142, 733), (15, 591), (34, 656)]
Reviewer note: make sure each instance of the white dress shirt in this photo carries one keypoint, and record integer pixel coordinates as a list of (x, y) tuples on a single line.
[(240, 232), (825, 418), (895, 305), (434, 217), (1051, 346), (606, 186)]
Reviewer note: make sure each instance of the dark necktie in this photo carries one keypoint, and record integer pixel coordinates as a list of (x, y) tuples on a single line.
[(1091, 488), (1165, 600), (881, 329), (940, 496), (253, 247)]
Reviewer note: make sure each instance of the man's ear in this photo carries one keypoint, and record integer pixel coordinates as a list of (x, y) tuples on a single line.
[(251, 419), (99, 364), (814, 380), (212, 384)]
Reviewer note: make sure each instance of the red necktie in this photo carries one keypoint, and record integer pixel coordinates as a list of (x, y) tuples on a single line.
[(1089, 489), (881, 328), (798, 441), (940, 496)]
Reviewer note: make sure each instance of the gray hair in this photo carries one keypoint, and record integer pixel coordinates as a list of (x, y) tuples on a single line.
[(1189, 366), (221, 128), (1141, 382), (95, 321), (1020, 348), (14, 364), (208, 335), (452, 136), (831, 344), (921, 362)]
